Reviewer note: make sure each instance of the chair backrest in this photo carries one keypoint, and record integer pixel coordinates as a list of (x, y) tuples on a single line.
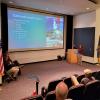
[(94, 74), (98, 75), (68, 82), (38, 97), (79, 78), (92, 90), (50, 96), (76, 92), (52, 85)]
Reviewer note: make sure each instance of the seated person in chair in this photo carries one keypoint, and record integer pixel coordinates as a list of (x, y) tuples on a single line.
[(61, 91), (11, 67), (74, 80), (88, 77)]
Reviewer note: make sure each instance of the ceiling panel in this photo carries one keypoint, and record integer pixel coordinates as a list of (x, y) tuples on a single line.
[(71, 7)]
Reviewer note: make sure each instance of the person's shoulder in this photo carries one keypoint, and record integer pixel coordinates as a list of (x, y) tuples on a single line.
[(93, 78), (84, 80)]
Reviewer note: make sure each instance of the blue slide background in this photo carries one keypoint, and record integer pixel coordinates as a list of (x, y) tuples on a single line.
[(27, 30)]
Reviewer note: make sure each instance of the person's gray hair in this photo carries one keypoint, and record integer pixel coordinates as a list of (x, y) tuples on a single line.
[(87, 72), (61, 90)]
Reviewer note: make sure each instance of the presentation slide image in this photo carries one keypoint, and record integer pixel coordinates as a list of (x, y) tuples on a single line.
[(34, 30)]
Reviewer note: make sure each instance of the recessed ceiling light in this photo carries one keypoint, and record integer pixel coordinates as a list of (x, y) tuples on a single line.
[(87, 8), (11, 2)]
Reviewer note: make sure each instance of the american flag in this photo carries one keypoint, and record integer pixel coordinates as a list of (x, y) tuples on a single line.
[(1, 63)]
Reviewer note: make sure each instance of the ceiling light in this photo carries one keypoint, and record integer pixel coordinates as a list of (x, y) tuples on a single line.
[(11, 2), (87, 8)]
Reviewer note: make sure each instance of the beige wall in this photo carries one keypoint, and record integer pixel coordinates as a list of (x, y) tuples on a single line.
[(85, 20)]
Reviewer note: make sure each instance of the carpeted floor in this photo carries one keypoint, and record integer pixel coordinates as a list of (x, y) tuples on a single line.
[(46, 72)]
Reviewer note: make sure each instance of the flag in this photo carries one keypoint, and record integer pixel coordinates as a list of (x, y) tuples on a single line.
[(1, 63)]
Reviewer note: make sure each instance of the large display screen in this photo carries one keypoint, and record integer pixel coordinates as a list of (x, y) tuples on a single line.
[(29, 30)]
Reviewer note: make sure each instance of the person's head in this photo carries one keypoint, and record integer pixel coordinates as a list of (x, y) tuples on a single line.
[(61, 91), (88, 73)]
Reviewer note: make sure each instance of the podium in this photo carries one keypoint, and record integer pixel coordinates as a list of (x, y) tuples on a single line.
[(72, 56)]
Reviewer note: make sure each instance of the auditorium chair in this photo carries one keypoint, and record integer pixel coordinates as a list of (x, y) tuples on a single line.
[(79, 78), (98, 75), (94, 74), (38, 97), (52, 85), (50, 96), (92, 90), (68, 82), (76, 92)]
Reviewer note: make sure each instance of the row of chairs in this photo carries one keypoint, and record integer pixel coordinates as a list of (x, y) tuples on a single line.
[(89, 92), (95, 74), (52, 85), (79, 89), (81, 92)]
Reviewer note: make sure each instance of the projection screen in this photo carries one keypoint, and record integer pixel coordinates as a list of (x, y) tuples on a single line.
[(28, 30)]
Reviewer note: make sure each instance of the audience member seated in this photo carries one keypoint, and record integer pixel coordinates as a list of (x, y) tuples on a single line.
[(74, 80), (12, 68), (61, 91), (88, 77)]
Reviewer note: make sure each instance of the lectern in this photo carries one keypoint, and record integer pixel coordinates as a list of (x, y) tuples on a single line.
[(72, 56)]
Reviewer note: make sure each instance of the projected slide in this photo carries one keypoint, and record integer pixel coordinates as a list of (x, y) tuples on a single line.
[(28, 30)]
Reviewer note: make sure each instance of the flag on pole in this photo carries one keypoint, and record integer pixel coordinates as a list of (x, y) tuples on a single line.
[(1, 63)]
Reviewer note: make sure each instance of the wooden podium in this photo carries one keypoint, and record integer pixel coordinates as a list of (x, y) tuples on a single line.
[(72, 56)]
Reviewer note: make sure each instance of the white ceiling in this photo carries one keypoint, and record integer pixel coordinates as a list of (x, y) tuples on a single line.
[(71, 7)]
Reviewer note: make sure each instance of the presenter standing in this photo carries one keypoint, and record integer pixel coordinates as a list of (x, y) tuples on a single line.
[(80, 53)]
